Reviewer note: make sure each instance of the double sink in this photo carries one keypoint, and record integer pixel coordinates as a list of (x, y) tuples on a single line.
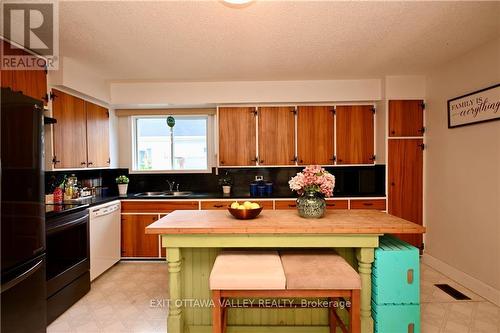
[(163, 194)]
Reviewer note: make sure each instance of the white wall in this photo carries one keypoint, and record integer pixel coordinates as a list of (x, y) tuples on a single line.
[(78, 77), (201, 93), (462, 185)]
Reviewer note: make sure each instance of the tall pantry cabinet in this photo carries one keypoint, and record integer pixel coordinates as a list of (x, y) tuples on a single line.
[(405, 163)]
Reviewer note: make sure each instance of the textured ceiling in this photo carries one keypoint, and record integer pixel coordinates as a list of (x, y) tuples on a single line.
[(279, 40)]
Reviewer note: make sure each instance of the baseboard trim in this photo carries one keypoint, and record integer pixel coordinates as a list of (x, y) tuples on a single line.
[(482, 289)]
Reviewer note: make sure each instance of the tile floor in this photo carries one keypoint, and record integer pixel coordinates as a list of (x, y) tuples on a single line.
[(120, 301)]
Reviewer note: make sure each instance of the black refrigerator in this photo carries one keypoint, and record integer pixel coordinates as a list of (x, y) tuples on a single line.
[(23, 295)]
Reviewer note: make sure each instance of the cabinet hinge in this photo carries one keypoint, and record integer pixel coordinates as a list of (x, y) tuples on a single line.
[(109, 160), (422, 130), (294, 111), (107, 113), (294, 159), (374, 110), (423, 106), (334, 158), (373, 158), (334, 111), (52, 95), (422, 146), (255, 112), (422, 246)]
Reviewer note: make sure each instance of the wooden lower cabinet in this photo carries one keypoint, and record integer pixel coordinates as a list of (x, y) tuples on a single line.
[(134, 241), (378, 204), (330, 204), (223, 204)]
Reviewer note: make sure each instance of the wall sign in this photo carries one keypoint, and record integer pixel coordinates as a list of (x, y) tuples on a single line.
[(476, 107)]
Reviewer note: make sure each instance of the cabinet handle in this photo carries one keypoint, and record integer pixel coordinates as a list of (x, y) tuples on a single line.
[(254, 160), (292, 205), (409, 276), (393, 132), (393, 184), (367, 203), (411, 328), (55, 160), (330, 205), (261, 161), (90, 163), (301, 161), (221, 162), (83, 163), (218, 206)]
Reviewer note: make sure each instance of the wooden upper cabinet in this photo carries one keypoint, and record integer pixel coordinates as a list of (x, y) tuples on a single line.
[(276, 135), (355, 134), (405, 177), (315, 135), (97, 135), (70, 149), (237, 136), (406, 117), (32, 83)]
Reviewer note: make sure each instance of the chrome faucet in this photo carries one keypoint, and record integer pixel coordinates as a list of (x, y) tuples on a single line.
[(171, 186)]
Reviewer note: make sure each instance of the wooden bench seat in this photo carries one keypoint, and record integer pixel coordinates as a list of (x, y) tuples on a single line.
[(289, 274)]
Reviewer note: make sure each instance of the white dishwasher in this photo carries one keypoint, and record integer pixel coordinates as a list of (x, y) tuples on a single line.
[(104, 237)]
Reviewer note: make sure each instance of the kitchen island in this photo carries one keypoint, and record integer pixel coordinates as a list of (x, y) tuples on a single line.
[(193, 239)]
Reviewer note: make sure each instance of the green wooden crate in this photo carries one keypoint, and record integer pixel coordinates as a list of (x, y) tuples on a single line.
[(396, 318), (396, 273)]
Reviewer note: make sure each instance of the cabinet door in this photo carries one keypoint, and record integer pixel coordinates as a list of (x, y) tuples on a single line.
[(70, 135), (406, 118), (97, 135), (134, 241), (237, 134), (315, 135), (405, 163), (32, 83), (277, 136), (355, 134)]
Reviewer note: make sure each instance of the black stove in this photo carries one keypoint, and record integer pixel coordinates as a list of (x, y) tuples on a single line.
[(58, 209)]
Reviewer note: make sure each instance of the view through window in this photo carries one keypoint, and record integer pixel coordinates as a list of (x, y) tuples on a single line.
[(162, 148)]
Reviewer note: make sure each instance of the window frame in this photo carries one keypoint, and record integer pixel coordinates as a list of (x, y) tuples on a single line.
[(210, 144)]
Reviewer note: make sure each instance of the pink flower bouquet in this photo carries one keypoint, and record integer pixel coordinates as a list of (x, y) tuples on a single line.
[(313, 179)]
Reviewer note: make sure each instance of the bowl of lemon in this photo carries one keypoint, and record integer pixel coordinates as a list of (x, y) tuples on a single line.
[(246, 211)]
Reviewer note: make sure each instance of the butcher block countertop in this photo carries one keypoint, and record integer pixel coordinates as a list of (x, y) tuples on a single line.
[(282, 222)]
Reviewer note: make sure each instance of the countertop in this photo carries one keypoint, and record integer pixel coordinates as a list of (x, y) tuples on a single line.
[(283, 222)]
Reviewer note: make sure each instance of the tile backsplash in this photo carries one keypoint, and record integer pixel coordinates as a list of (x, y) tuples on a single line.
[(349, 181)]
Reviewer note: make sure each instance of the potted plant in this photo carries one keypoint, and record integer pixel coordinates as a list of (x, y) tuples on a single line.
[(313, 184), (226, 182), (122, 182)]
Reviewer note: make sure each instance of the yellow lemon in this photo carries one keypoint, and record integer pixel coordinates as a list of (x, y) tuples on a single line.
[(235, 205), (254, 205), (247, 204), (241, 207)]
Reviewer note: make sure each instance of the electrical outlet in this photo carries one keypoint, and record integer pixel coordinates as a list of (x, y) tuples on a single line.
[(259, 178)]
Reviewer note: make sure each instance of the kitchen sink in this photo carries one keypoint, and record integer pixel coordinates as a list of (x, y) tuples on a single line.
[(163, 194), (178, 194)]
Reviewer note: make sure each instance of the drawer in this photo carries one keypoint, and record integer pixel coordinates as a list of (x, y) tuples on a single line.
[(285, 204), (378, 204), (223, 204), (400, 318), (396, 272), (156, 206), (337, 204)]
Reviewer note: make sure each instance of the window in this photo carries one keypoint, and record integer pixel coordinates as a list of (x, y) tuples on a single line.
[(159, 147)]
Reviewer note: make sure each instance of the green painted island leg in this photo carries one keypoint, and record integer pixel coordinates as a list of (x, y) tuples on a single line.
[(365, 258), (174, 323)]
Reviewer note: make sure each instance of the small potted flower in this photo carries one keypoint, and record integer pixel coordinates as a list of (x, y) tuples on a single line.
[(313, 185), (122, 182), (226, 182)]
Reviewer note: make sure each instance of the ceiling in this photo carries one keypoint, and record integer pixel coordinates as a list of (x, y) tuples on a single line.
[(270, 40)]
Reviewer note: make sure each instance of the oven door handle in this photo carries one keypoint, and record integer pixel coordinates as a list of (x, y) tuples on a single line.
[(67, 225)]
